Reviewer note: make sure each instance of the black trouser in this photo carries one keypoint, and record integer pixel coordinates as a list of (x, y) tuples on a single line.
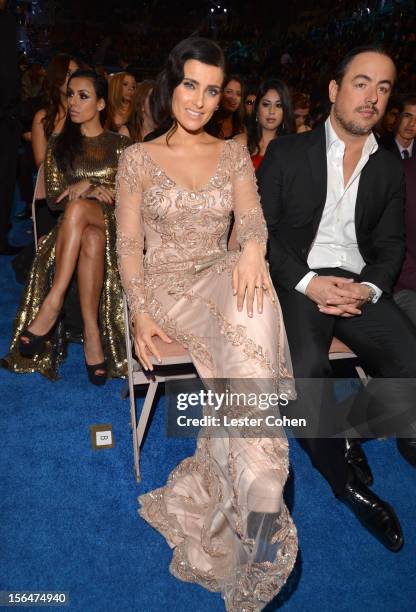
[(383, 339), (9, 144)]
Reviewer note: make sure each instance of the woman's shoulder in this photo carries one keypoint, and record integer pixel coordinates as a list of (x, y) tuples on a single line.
[(119, 141), (39, 116), (241, 139)]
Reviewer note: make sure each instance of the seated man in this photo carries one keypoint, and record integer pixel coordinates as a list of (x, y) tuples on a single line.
[(402, 142), (333, 202)]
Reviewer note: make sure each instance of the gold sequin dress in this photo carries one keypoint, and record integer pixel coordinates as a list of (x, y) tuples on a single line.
[(98, 162), (222, 510)]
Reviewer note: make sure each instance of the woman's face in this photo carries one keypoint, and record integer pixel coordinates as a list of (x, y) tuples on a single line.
[(301, 114), (231, 98), (249, 103), (129, 87), (83, 105), (270, 110), (197, 96), (72, 66)]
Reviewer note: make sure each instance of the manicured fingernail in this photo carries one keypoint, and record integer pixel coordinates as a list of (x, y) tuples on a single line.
[(250, 314), (234, 291), (260, 310)]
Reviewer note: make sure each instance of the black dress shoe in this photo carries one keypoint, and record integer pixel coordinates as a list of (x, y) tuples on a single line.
[(376, 515), (407, 449), (9, 249), (357, 460)]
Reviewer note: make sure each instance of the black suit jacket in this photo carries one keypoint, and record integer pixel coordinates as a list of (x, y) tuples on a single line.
[(293, 183), (389, 143)]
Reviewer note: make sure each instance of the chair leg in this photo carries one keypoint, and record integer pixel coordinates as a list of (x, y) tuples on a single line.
[(124, 393), (145, 412)]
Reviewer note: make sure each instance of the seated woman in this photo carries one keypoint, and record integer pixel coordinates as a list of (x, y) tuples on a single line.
[(141, 122), (80, 169), (228, 119), (121, 90), (272, 116), (222, 510)]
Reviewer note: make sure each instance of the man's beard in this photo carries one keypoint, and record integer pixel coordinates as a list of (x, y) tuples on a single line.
[(351, 126)]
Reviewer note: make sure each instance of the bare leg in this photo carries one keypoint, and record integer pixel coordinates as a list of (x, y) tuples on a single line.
[(77, 216), (90, 282)]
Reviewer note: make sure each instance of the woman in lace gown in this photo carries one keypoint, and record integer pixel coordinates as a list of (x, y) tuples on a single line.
[(222, 510)]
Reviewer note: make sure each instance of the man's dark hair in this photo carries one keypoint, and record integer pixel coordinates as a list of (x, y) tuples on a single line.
[(408, 100), (347, 59)]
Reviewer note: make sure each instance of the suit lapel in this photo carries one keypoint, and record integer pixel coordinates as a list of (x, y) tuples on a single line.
[(363, 193), (317, 161)]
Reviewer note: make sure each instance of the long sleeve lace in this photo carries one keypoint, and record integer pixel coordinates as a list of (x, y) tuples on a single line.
[(130, 235), (249, 219), (55, 182)]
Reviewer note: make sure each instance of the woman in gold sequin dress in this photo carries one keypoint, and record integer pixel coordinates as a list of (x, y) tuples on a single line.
[(80, 169), (222, 510)]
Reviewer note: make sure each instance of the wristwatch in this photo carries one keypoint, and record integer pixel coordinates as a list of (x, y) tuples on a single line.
[(371, 294)]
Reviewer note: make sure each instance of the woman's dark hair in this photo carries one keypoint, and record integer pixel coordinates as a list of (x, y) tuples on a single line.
[(215, 124), (55, 77), (342, 67), (69, 142), (195, 48), (254, 131), (136, 119)]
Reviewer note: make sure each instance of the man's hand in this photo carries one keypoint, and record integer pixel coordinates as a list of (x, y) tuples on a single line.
[(336, 295)]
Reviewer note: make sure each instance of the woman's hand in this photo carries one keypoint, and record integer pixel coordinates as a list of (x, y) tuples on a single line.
[(144, 330), (75, 191), (250, 276), (101, 193)]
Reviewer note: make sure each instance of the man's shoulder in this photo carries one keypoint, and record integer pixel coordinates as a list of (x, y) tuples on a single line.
[(297, 142), (387, 160)]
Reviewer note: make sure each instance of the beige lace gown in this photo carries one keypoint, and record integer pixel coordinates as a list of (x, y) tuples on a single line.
[(222, 510)]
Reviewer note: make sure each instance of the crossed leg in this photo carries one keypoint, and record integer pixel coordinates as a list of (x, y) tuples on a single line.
[(80, 244)]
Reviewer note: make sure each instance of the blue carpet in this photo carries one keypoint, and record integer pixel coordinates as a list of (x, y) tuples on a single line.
[(69, 514)]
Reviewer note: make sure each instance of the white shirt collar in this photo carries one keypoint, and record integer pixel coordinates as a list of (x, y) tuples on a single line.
[(409, 148), (332, 138)]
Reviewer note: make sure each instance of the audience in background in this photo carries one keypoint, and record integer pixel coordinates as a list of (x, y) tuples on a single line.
[(272, 115), (228, 120), (401, 142), (301, 111), (140, 122), (121, 89)]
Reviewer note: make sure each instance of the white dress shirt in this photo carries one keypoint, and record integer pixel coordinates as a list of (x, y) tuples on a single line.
[(335, 244), (409, 148)]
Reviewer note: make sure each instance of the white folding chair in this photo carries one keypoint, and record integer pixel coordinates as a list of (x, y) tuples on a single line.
[(172, 355), (39, 193)]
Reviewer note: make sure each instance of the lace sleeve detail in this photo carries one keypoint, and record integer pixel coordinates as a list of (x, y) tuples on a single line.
[(130, 232), (249, 219), (251, 226)]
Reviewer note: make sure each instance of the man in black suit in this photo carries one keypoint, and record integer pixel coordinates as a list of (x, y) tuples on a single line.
[(333, 201), (9, 125), (402, 143)]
